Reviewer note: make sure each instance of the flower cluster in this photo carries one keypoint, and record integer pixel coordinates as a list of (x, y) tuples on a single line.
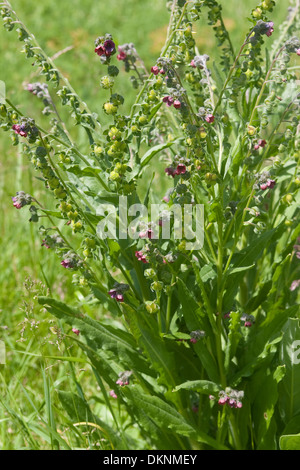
[(127, 53), (264, 181), (173, 171), (297, 248), (141, 256), (170, 101), (231, 397), (199, 61), (124, 378), (52, 241), (261, 143), (21, 199), (196, 335), (117, 292), (105, 47), (40, 90), (261, 28), (293, 45), (26, 128), (71, 261), (248, 320)]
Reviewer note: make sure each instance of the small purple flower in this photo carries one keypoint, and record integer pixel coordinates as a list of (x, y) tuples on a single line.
[(100, 50), (177, 104), (141, 257), (115, 295), (75, 331), (66, 264), (109, 47), (121, 55), (295, 285), (196, 335), (71, 260), (171, 171), (297, 248), (168, 100), (269, 184), (124, 378), (155, 70), (260, 143), (45, 244), (210, 118), (181, 169), (16, 204), (20, 129), (117, 292), (112, 393), (146, 234), (223, 400), (248, 320), (231, 397), (21, 199), (270, 28)]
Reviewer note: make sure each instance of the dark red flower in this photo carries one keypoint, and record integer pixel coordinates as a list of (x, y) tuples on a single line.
[(181, 169), (209, 118), (155, 70), (168, 100)]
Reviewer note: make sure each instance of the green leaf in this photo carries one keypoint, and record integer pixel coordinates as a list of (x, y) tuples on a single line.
[(99, 338), (234, 337), (263, 407), (290, 357), (195, 320), (166, 417), (147, 157), (202, 386), (162, 360), (86, 171), (290, 442), (239, 269)]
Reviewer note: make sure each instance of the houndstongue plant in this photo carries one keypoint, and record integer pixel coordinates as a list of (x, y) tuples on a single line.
[(195, 332)]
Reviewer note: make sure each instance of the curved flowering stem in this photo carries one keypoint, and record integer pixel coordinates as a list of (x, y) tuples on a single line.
[(289, 24), (62, 142), (36, 46), (264, 85), (163, 52), (231, 71)]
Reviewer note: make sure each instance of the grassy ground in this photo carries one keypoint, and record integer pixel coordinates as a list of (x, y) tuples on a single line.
[(26, 381)]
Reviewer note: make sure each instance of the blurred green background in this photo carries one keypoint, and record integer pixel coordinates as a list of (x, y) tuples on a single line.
[(60, 24)]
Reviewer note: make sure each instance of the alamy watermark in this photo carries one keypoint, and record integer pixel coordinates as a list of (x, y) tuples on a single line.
[(2, 92), (2, 352), (295, 353), (177, 222)]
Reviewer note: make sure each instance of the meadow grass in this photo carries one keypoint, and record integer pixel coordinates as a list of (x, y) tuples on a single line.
[(30, 416)]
